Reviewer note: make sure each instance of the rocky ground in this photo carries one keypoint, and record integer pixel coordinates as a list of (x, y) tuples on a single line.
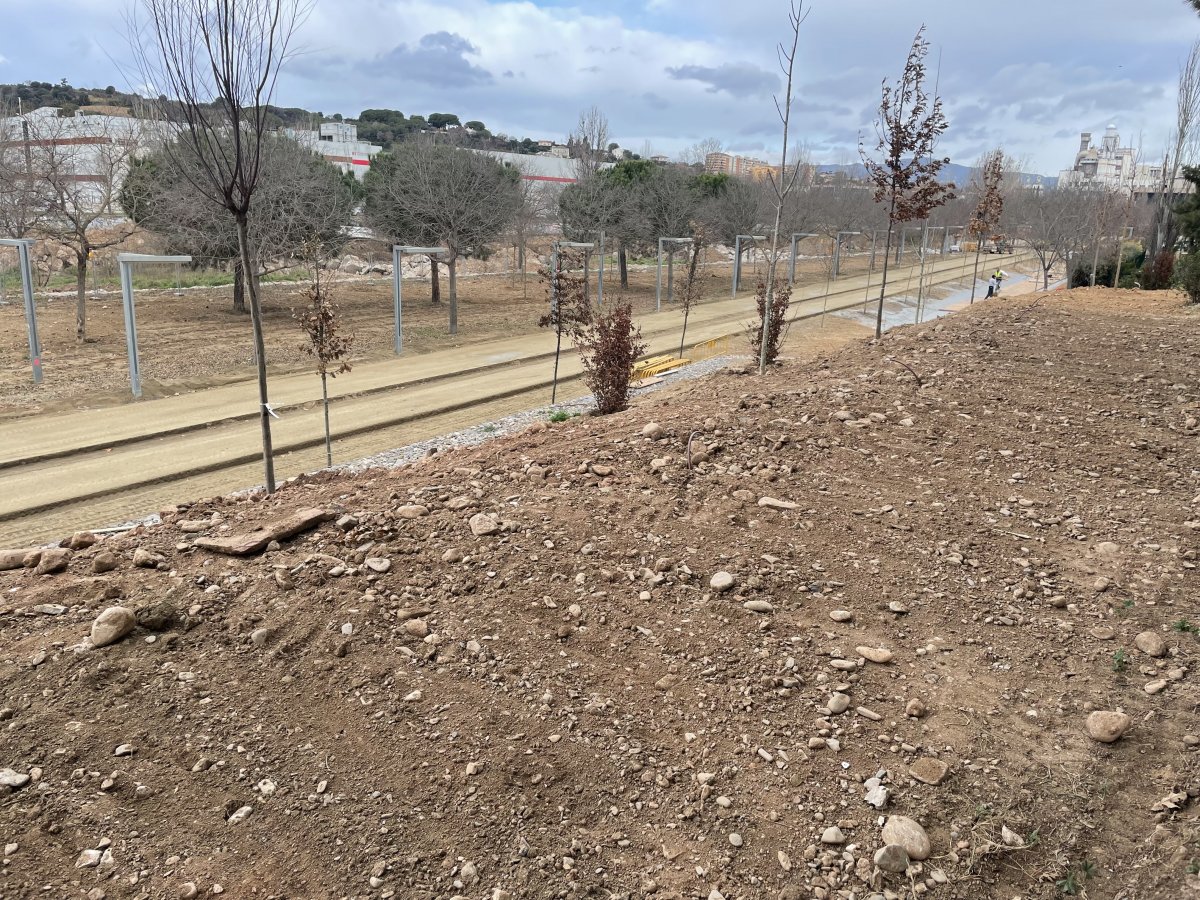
[(916, 619)]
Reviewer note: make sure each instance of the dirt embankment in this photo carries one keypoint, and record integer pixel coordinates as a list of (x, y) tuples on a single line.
[(896, 582)]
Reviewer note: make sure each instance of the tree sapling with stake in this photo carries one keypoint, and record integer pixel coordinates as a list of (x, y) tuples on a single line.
[(319, 320)]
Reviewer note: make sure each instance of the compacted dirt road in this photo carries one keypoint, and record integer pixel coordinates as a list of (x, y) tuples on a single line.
[(915, 618)]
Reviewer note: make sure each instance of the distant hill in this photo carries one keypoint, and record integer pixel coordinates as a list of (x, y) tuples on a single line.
[(952, 173), (378, 126)]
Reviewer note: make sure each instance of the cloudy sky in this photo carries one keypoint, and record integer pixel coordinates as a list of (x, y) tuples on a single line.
[(1027, 74)]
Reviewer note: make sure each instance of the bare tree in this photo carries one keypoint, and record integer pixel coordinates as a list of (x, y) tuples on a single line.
[(301, 209), (569, 312), (690, 290), (1052, 222), (319, 321), (990, 208), (1182, 144), (782, 182), (909, 124), (216, 64), (80, 168), (22, 200), (536, 206), (695, 154), (589, 141), (437, 194)]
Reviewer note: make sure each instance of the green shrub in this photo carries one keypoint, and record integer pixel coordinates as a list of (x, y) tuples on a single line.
[(1187, 270)]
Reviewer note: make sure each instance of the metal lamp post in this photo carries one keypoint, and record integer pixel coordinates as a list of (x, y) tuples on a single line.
[(126, 262), (398, 254), (737, 258), (670, 270), (35, 346)]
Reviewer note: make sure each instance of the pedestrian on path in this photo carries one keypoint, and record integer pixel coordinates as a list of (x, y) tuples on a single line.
[(999, 279), (992, 288)]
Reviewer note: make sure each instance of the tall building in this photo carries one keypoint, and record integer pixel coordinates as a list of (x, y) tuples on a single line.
[(338, 142), (1114, 167), (728, 164)]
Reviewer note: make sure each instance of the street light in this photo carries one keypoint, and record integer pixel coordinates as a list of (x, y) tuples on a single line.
[(670, 270), (737, 258), (796, 238), (35, 346), (398, 254)]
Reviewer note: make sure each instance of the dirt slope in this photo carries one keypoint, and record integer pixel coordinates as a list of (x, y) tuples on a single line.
[(576, 706)]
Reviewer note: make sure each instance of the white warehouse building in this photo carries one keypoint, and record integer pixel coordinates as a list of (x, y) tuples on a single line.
[(338, 142)]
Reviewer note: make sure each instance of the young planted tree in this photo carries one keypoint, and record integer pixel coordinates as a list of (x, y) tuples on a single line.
[(608, 348), (1053, 221), (569, 310), (436, 194), (319, 321), (689, 291), (990, 207), (905, 177), (80, 178), (782, 184), (217, 63), (768, 342)]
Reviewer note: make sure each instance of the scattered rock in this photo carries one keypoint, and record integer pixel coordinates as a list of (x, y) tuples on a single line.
[(1106, 726), (928, 770), (1156, 686), (758, 606), (81, 540), (104, 562), (837, 703), (916, 708), (653, 431), (1151, 643), (735, 839), (833, 835), (144, 559), (412, 511), (241, 814), (10, 778), (255, 541), (112, 625), (772, 503), (874, 654), (842, 615), (378, 564), (53, 561), (908, 834), (721, 582), (13, 559), (453, 555), (892, 858), (483, 524)]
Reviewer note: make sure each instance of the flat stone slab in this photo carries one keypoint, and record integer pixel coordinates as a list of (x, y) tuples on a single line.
[(256, 541)]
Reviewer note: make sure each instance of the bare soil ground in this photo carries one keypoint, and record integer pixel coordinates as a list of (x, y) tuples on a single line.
[(194, 340), (1001, 508)]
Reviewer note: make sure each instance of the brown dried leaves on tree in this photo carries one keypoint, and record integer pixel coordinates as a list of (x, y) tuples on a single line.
[(990, 207), (608, 348)]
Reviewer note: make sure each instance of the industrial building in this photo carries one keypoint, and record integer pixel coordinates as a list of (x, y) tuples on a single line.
[(338, 143), (1113, 167)]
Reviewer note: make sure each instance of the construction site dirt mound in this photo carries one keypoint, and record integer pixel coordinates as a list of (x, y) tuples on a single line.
[(919, 618)]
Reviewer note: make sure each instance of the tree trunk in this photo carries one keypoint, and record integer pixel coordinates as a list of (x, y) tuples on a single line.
[(883, 285), (260, 351), (239, 288), (975, 279), (689, 296), (435, 282), (623, 265), (557, 353), (325, 402), (81, 264), (452, 266)]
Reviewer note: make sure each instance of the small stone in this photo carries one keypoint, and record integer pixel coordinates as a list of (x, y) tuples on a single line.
[(13, 779), (88, 859), (81, 540), (721, 582), (1107, 726), (103, 561), (897, 607), (260, 636), (1010, 837), (837, 703), (412, 511), (758, 606), (874, 654), (144, 559), (601, 471), (125, 750), (188, 890), (413, 696), (915, 708), (1104, 632), (378, 564), (240, 814), (10, 849), (50, 609), (1151, 643), (772, 503), (928, 770), (416, 627), (53, 561), (483, 524), (653, 431), (112, 625), (785, 861), (878, 796), (1154, 687), (735, 839), (908, 834), (892, 858), (833, 835), (453, 555), (842, 615)]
